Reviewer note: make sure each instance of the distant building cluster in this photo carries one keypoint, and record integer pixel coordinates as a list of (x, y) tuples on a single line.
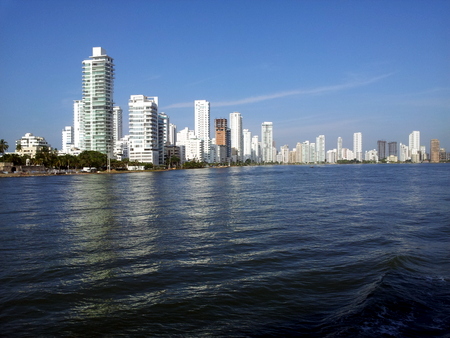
[(98, 126)]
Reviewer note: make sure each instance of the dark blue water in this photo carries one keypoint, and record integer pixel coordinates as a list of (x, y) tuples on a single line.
[(329, 251)]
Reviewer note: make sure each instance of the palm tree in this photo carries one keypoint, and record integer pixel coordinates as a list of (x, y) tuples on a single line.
[(3, 146)]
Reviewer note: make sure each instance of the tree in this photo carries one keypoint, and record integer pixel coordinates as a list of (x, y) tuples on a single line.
[(92, 159), (3, 146)]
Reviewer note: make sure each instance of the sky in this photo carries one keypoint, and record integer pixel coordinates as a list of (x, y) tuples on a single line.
[(311, 67)]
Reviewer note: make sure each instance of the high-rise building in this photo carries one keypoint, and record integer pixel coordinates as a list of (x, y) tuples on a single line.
[(267, 142), (221, 127), (172, 134), (202, 125), (434, 150), (78, 124), (320, 149), (414, 146), (381, 149), (357, 146), (256, 153), (236, 136), (163, 135), (117, 123), (339, 148), (67, 139), (143, 143), (392, 146), (247, 139), (98, 89)]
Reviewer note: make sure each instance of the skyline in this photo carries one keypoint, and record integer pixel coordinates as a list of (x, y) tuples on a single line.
[(311, 68)]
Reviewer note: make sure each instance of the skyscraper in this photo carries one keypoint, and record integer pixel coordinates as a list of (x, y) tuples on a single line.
[(392, 148), (144, 143), (78, 124), (434, 150), (220, 126), (339, 148), (237, 142), (381, 149), (320, 149), (414, 146), (117, 123), (247, 146), (67, 139), (98, 88), (202, 125), (357, 146), (267, 141)]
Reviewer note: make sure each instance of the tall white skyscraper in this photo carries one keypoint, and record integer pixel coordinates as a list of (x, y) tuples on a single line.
[(320, 149), (267, 141), (98, 89), (339, 148), (143, 143), (202, 125), (256, 156), (236, 135), (357, 146), (247, 137), (414, 142)]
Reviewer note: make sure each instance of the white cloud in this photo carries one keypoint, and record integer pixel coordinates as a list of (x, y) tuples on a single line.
[(313, 91)]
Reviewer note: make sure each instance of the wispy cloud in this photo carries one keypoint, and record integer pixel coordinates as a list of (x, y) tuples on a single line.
[(313, 91)]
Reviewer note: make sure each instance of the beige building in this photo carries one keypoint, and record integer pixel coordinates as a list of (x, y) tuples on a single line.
[(30, 144)]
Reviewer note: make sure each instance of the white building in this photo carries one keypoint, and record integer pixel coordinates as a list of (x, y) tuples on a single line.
[(191, 147), (67, 140), (247, 138), (267, 142), (121, 148), (98, 89), (305, 152), (339, 148), (202, 125), (236, 137), (298, 153), (332, 156), (30, 144), (357, 146), (403, 153), (320, 149), (172, 134), (284, 152), (371, 155), (78, 124), (256, 149), (143, 128), (163, 135)]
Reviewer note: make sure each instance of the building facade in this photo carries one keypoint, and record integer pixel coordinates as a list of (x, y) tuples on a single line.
[(202, 125), (98, 89), (357, 146), (236, 136), (267, 142), (143, 127)]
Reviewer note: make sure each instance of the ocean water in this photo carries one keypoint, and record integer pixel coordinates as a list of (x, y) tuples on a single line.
[(328, 251)]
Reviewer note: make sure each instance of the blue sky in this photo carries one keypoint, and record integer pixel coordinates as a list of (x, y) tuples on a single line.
[(311, 67)]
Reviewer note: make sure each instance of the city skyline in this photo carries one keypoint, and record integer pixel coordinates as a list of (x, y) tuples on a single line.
[(362, 69)]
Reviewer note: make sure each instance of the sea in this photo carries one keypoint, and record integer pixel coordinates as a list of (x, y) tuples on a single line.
[(256, 251)]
